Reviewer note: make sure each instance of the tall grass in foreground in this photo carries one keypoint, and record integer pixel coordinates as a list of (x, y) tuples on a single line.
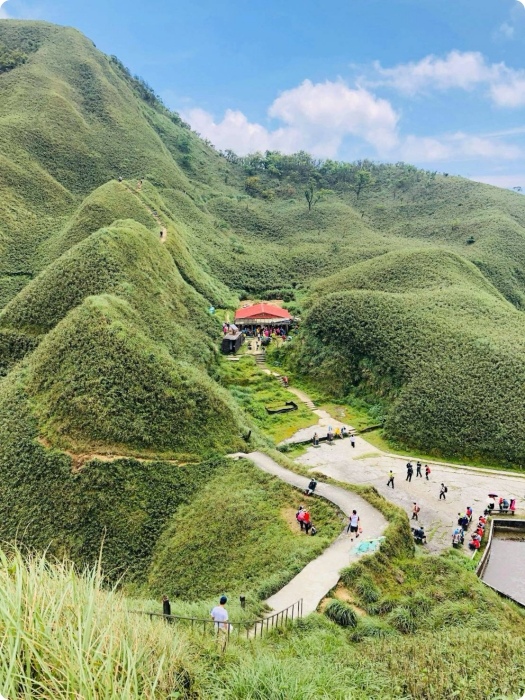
[(63, 636)]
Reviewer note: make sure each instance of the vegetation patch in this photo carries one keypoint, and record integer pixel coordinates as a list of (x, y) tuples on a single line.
[(232, 537)]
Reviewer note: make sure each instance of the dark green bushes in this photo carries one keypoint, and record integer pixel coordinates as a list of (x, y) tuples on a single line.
[(341, 613), (381, 346)]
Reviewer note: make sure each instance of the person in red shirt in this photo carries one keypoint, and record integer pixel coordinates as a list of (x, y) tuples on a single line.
[(307, 522)]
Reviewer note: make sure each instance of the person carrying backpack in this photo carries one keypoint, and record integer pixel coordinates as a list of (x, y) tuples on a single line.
[(443, 492), (415, 511), (427, 471)]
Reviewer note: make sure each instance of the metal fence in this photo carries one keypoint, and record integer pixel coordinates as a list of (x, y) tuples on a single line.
[(249, 628)]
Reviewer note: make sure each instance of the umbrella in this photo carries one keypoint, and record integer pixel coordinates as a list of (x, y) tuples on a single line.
[(493, 495)]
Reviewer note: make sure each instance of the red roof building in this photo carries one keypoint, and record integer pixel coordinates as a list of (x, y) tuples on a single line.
[(262, 315)]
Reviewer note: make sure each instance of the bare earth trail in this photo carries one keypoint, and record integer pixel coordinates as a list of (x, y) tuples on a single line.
[(163, 230), (322, 574)]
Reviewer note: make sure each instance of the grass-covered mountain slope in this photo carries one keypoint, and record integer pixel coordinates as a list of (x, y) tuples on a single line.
[(440, 360), (410, 286)]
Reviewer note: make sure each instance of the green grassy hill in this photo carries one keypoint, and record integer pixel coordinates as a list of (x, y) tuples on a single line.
[(116, 413), (410, 288)]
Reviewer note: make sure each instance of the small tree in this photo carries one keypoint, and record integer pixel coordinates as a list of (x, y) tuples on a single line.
[(363, 179), (311, 196)]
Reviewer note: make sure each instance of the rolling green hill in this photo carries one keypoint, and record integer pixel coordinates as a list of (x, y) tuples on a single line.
[(410, 286)]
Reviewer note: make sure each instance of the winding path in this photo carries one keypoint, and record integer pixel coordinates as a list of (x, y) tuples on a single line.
[(366, 464), (322, 574)]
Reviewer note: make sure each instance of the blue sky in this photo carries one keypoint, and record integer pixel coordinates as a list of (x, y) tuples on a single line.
[(439, 83)]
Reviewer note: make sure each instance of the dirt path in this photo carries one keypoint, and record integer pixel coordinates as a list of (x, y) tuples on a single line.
[(163, 233), (322, 574)]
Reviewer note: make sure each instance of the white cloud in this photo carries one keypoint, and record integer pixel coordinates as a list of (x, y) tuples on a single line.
[(506, 181), (456, 146), (314, 116), (506, 30), (461, 70), (3, 11)]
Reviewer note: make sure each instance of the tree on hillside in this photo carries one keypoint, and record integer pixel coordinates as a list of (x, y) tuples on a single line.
[(312, 195), (363, 179)]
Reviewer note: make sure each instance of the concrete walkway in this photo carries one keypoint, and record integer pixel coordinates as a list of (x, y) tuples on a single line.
[(322, 574), (466, 487)]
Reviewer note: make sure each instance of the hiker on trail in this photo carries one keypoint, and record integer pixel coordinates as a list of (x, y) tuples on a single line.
[(463, 522), (330, 435), (427, 471), (469, 513), (443, 492), (344, 431), (120, 178), (458, 537), (311, 487), (166, 607), (306, 521), (299, 516), (352, 440), (420, 535), (353, 524), (390, 481), (316, 440), (410, 471), (161, 233), (337, 433), (219, 615), (418, 469), (415, 511)]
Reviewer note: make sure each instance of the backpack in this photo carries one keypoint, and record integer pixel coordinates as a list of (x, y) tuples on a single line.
[(418, 509), (446, 489)]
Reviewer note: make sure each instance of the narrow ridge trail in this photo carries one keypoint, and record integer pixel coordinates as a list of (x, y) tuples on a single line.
[(163, 235), (321, 575)]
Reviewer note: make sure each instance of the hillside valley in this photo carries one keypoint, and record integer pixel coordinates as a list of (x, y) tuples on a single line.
[(125, 240)]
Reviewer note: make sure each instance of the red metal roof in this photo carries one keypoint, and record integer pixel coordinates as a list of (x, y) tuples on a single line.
[(262, 311)]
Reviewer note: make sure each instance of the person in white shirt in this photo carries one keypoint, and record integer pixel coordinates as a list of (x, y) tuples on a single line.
[(219, 615), (353, 524)]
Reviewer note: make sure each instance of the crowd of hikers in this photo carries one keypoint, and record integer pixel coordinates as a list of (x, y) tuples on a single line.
[(331, 435)]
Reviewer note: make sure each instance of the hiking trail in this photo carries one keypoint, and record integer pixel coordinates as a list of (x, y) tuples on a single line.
[(163, 234), (322, 574)]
